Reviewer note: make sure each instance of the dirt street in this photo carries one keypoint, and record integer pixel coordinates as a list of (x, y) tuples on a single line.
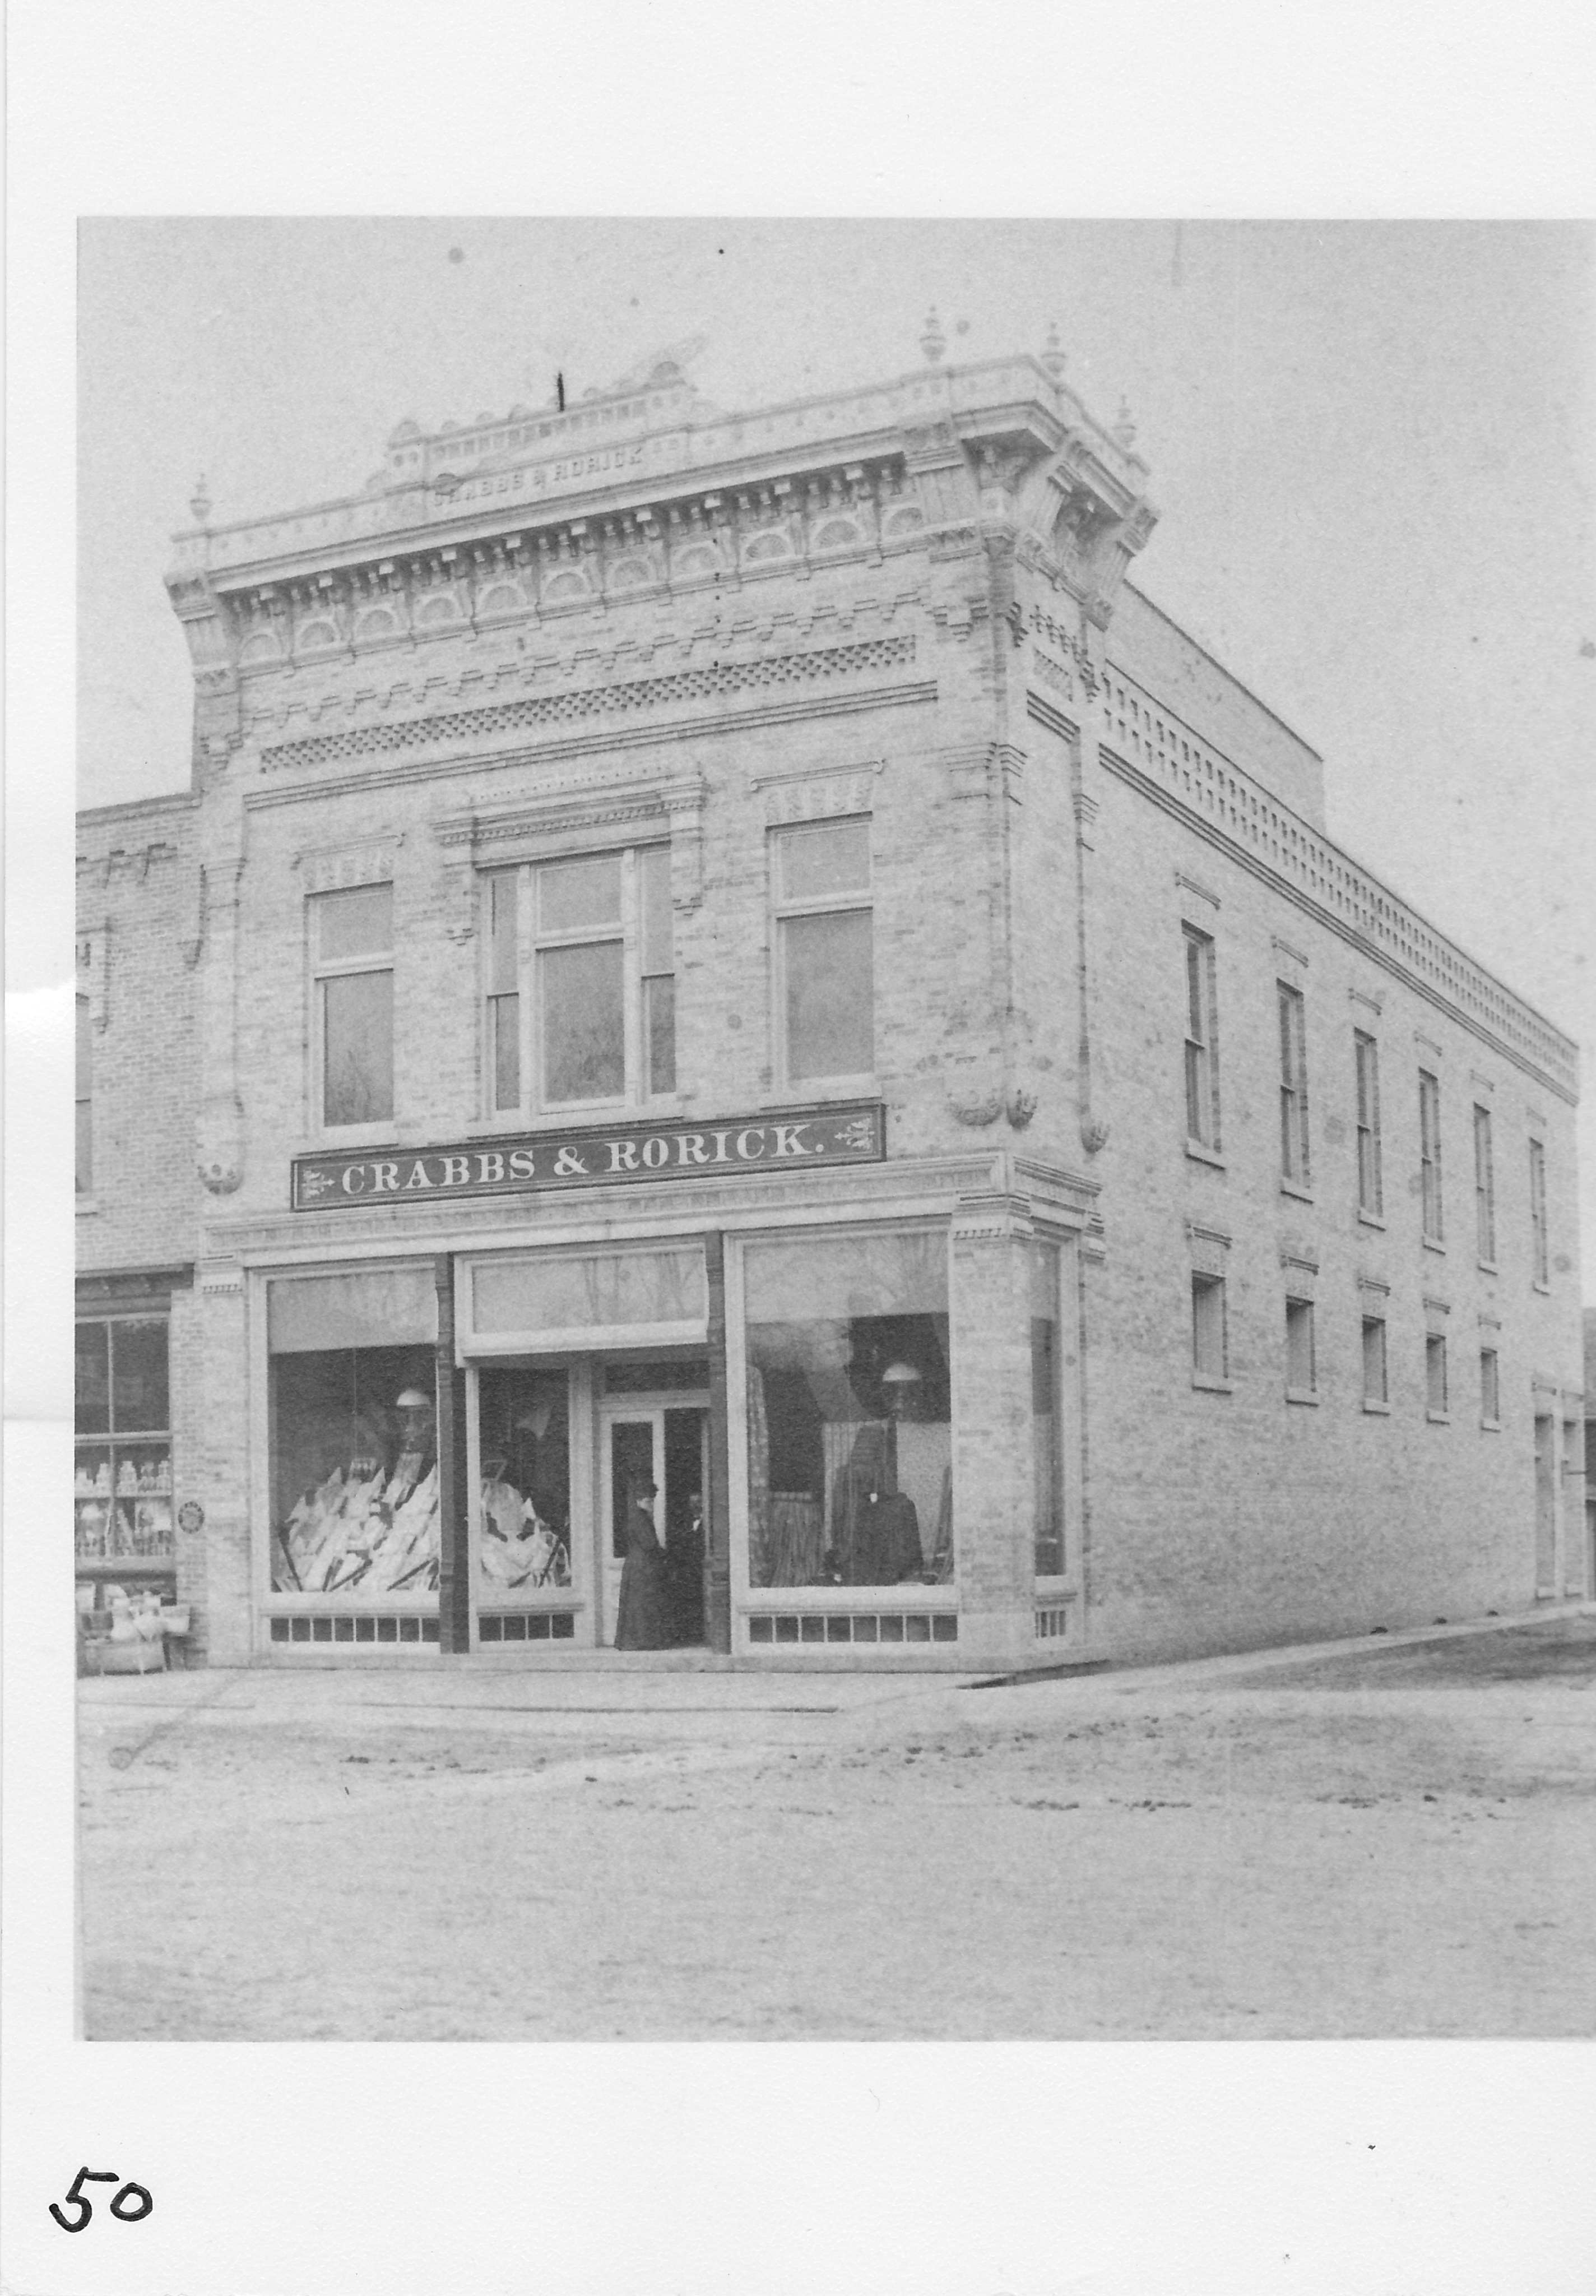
[(1396, 1842)]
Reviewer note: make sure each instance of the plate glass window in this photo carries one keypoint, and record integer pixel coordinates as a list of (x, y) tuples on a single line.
[(849, 1413), (352, 1407), (1046, 1433), (824, 942), (1294, 1084), (122, 1480), (1429, 1155), (1485, 1188), (1366, 1062), (352, 958), (524, 1548), (1202, 1074)]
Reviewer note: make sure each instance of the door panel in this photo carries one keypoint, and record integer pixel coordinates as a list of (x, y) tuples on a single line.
[(633, 1450)]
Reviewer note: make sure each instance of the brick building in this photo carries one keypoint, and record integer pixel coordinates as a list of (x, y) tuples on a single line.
[(741, 955)]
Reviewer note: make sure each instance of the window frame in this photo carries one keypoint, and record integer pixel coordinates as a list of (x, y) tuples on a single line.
[(1299, 1315), (1432, 1193), (1376, 1400), (1207, 1285), (160, 1562), (1201, 1058), (324, 969), (1490, 1388), (1291, 1010), (1371, 1205), (1484, 1187), (532, 941), (786, 909), (1435, 1354)]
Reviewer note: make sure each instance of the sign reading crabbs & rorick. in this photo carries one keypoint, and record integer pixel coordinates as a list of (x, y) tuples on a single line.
[(594, 1156)]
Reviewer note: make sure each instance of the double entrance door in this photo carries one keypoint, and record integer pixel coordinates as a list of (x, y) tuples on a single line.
[(662, 1439)]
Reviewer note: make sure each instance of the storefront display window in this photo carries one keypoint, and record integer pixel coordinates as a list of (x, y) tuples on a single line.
[(525, 1546), (122, 1480), (1047, 1448), (354, 1436), (850, 1434)]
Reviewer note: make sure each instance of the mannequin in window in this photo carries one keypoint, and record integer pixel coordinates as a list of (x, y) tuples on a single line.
[(644, 1619), (518, 1547), (371, 1529)]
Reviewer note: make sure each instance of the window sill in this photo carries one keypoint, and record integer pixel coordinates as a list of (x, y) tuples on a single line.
[(332, 1138), (815, 1090), (1294, 1188), (1201, 1155), (1439, 1418), (1543, 1288), (1490, 1426), (85, 1205), (1369, 1219), (510, 1126), (1380, 1410), (1211, 1386), (1302, 1395), (1433, 1244), (1487, 1267)]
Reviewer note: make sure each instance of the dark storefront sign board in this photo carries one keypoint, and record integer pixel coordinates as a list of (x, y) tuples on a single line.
[(592, 1156)]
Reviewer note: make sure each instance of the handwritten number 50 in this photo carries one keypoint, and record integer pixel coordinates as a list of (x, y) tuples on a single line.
[(130, 2205)]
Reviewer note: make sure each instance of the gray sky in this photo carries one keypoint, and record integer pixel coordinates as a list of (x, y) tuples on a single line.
[(1373, 445)]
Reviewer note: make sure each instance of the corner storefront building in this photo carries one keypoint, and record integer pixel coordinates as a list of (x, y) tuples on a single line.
[(739, 1047)]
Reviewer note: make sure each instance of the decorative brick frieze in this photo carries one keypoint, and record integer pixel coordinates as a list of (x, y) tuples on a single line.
[(499, 721), (1148, 745)]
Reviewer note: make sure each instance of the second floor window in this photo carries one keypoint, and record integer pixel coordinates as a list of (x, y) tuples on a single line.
[(1537, 1211), (351, 953), (1202, 1075), (825, 994), (1429, 1155), (581, 982), (1485, 1188), (1294, 1086), (1366, 1053)]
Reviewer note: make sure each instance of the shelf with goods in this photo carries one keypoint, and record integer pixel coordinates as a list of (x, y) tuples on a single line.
[(122, 1506)]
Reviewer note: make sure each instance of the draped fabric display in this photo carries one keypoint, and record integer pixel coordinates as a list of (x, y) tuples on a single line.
[(524, 1424), (354, 1434), (354, 1474), (849, 1438)]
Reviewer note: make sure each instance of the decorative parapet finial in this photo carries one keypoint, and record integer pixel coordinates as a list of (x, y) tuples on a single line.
[(1052, 354), (199, 501), (933, 342), (1124, 429)]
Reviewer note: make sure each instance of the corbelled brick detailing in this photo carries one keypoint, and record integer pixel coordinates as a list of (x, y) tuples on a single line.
[(630, 694)]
